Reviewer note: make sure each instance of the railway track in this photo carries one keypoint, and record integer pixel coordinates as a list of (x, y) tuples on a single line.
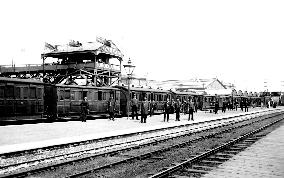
[(152, 155), (205, 162), (90, 154)]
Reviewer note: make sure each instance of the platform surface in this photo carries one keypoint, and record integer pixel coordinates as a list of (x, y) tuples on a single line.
[(264, 159), (19, 137)]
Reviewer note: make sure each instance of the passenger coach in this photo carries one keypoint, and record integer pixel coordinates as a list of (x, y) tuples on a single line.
[(65, 100), (185, 96), (158, 96), (20, 98)]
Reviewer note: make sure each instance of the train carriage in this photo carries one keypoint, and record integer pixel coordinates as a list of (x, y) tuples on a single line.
[(158, 96), (208, 102), (185, 96), (67, 99), (275, 97), (21, 98), (255, 101)]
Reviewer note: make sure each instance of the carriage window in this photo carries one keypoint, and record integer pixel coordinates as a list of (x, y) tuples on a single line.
[(18, 92), (39, 93), (104, 96), (169, 96), (140, 97), (100, 95), (95, 95), (91, 95), (1, 92), (61, 94), (78, 95), (72, 95), (132, 94), (85, 94), (9, 91), (67, 94), (32, 92), (26, 92), (117, 96)]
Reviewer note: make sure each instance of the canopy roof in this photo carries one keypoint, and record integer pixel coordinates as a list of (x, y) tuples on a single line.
[(89, 49)]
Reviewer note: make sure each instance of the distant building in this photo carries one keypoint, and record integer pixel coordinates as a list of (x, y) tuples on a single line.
[(199, 85), (202, 86)]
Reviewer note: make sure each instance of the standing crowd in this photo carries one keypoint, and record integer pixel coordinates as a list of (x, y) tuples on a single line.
[(148, 107), (169, 107)]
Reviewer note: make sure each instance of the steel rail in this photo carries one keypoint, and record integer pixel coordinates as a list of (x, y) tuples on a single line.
[(177, 167), (149, 154)]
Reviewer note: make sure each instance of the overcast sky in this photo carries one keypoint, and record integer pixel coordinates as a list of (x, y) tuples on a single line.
[(237, 41)]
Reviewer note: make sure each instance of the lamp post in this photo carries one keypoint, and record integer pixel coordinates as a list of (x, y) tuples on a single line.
[(129, 70)]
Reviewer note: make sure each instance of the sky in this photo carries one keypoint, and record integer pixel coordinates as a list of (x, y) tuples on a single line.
[(241, 42)]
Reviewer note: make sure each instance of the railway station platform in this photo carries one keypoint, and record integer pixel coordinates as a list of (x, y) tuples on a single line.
[(265, 158), (30, 136)]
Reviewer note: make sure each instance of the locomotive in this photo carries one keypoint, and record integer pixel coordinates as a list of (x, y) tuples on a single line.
[(30, 98)]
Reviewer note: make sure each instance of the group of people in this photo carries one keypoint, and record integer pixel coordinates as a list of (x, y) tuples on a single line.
[(85, 109), (178, 107), (230, 106), (148, 107)]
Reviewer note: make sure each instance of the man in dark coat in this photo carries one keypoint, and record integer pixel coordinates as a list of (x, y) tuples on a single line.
[(144, 110), (134, 107), (246, 105), (177, 109), (236, 105), (224, 106), (152, 108), (111, 108), (242, 104), (167, 110), (190, 109), (216, 106), (84, 109)]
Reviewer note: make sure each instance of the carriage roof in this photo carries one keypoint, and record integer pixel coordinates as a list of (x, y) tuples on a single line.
[(86, 87), (18, 80), (143, 89), (185, 93)]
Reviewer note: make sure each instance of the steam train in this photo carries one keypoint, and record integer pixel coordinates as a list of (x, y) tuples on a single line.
[(27, 98)]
